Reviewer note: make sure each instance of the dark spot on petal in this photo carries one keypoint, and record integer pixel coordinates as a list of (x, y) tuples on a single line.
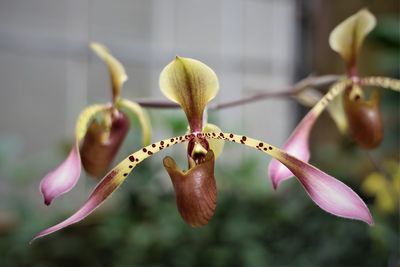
[(132, 158), (130, 166), (125, 174), (260, 144), (144, 150), (153, 145)]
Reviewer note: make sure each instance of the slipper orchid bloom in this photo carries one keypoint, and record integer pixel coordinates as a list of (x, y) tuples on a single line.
[(362, 117), (192, 84), (101, 129)]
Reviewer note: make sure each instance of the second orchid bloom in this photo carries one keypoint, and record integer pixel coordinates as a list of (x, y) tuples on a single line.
[(101, 128), (192, 84), (360, 116)]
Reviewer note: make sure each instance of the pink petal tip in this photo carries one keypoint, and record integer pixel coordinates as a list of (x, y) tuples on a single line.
[(62, 179), (329, 193), (101, 192)]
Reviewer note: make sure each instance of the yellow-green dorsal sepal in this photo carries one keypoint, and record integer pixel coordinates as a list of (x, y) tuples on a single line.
[(347, 38), (117, 71), (191, 84)]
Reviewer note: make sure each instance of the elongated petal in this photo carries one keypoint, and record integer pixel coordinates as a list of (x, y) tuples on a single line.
[(117, 70), (63, 178), (327, 192), (330, 194), (113, 180), (297, 145), (298, 142), (192, 84), (384, 82), (142, 115), (348, 36), (311, 96), (217, 146)]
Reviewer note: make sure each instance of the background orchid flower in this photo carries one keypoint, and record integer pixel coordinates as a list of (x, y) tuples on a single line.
[(347, 38), (362, 117), (195, 189), (101, 129)]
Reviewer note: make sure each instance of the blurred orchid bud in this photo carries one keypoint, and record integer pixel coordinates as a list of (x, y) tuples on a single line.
[(195, 189), (364, 118), (102, 142)]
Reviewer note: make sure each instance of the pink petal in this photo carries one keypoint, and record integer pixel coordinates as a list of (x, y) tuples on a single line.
[(327, 192), (104, 189), (296, 145), (113, 180), (63, 178)]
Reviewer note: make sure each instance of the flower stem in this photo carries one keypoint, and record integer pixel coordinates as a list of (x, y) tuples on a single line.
[(304, 84)]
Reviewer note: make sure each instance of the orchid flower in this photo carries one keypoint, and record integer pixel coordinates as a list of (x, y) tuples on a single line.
[(192, 85), (101, 128), (362, 117)]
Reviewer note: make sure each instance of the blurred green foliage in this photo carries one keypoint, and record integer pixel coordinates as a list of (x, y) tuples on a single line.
[(284, 229)]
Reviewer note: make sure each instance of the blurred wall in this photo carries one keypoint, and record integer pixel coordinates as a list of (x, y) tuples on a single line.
[(48, 74)]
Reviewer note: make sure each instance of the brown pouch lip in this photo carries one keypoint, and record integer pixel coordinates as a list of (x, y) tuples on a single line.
[(365, 120), (97, 154), (195, 189)]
